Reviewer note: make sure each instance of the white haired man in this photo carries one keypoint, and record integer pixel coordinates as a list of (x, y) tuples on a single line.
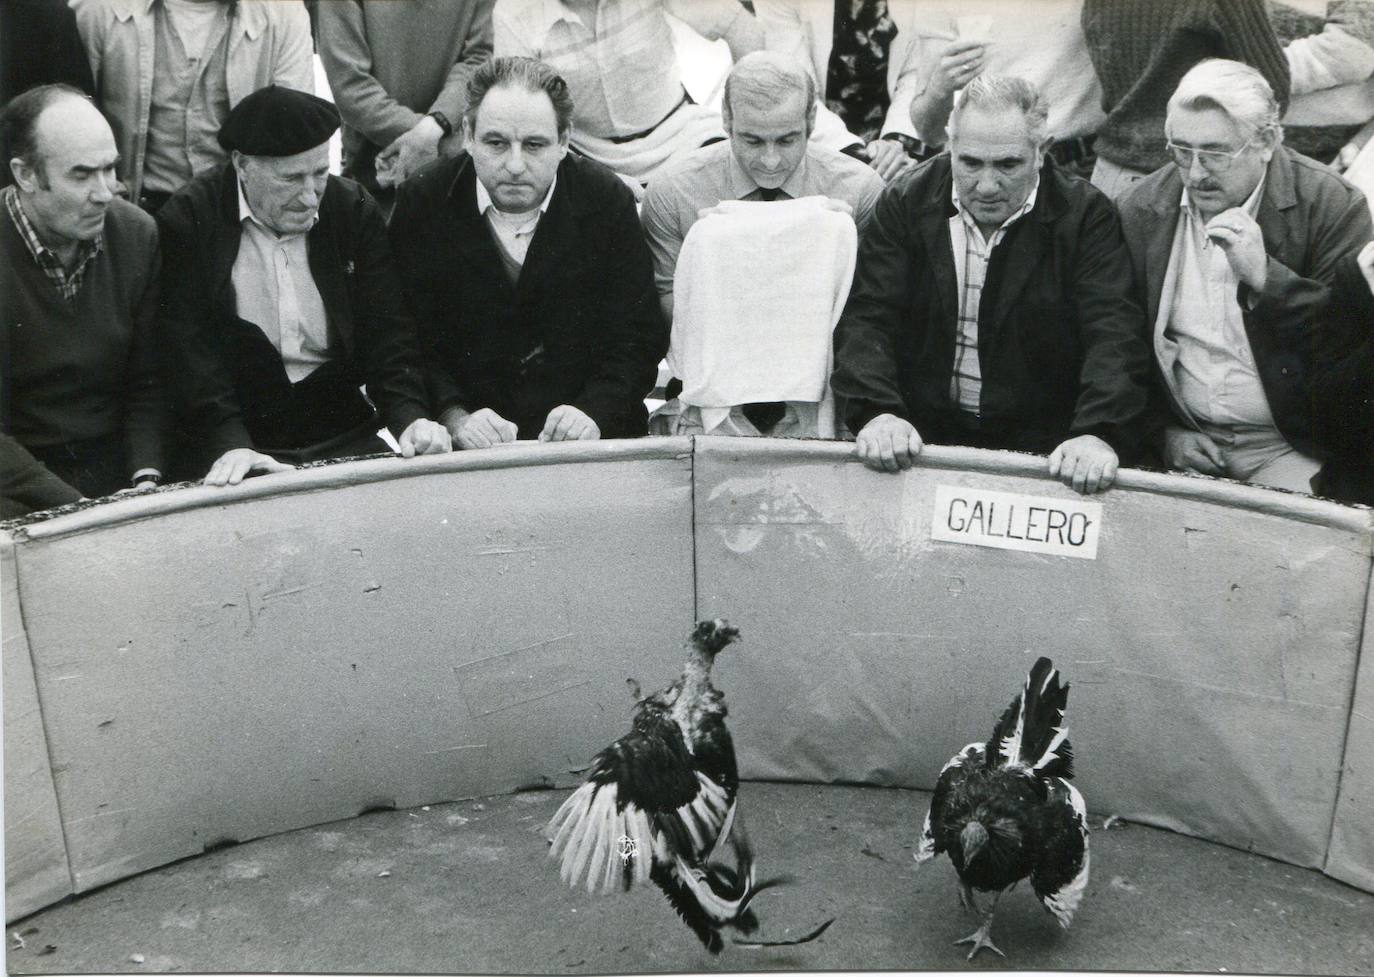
[(1021, 331), (1235, 244)]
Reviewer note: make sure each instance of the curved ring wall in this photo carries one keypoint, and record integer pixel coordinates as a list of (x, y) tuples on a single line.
[(201, 666)]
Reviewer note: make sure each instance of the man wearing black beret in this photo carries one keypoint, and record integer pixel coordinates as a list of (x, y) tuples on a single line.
[(281, 301)]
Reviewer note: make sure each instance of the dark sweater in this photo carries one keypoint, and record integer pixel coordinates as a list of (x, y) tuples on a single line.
[(1142, 48), (88, 369)]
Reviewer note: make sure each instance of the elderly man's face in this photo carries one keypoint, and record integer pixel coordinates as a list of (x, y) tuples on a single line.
[(1220, 182), (285, 191), (515, 147), (69, 189), (995, 161), (769, 140)]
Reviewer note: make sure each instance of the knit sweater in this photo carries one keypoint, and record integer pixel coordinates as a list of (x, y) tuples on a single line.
[(1142, 49), (85, 369)]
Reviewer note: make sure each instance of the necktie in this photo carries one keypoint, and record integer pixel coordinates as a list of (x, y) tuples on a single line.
[(856, 79), (769, 193)]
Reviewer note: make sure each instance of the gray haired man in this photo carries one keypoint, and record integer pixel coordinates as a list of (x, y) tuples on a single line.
[(1235, 244), (1022, 332)]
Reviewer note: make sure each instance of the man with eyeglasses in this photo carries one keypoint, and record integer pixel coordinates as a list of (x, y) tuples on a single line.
[(1234, 245)]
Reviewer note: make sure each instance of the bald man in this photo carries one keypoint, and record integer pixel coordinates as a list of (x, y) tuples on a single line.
[(79, 374)]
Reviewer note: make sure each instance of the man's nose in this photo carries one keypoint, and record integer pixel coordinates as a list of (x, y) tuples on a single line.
[(104, 188), (986, 182), (516, 161)]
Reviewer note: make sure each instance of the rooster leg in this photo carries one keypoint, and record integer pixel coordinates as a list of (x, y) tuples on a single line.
[(983, 938), (967, 899)]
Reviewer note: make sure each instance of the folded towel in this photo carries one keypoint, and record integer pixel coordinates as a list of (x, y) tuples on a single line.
[(757, 292)]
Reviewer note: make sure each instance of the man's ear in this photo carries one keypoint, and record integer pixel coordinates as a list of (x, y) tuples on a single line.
[(24, 175), (1269, 140)]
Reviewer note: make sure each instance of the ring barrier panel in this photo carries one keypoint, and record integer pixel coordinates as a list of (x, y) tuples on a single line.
[(212, 665)]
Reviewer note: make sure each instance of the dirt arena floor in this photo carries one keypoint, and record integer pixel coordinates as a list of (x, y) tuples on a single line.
[(467, 888)]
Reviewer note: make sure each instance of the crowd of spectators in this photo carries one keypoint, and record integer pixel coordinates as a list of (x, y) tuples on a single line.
[(1103, 231)]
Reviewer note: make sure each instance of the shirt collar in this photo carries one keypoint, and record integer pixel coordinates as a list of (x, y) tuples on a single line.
[(742, 184), (1021, 211), (30, 234), (485, 203), (246, 212)]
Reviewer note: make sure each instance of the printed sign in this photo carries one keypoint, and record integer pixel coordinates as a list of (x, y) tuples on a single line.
[(1009, 521)]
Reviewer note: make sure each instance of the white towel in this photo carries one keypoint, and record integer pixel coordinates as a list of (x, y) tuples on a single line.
[(757, 292)]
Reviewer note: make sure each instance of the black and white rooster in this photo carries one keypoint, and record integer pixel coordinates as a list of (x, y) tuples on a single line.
[(1006, 810), (659, 804)]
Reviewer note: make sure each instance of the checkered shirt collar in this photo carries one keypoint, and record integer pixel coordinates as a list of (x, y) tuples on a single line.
[(67, 283)]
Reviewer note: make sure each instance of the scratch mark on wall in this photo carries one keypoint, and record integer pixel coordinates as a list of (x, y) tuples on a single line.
[(516, 651), (534, 698), (285, 593), (455, 749)]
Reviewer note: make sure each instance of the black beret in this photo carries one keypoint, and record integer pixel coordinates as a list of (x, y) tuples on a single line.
[(276, 121)]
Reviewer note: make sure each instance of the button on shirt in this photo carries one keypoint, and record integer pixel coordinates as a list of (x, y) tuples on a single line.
[(514, 232), (972, 252), (275, 291), (1215, 372)]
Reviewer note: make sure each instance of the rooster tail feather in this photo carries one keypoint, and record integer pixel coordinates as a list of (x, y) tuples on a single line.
[(1032, 733)]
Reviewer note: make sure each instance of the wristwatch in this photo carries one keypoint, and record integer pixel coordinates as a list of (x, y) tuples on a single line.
[(146, 476), (443, 121)]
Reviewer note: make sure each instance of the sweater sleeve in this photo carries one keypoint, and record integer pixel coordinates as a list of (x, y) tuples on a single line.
[(147, 420), (1341, 53), (293, 64), (1245, 29), (26, 485), (452, 99), (364, 104)]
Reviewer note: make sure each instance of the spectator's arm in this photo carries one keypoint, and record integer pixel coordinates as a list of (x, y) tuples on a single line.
[(363, 103), (147, 415), (1289, 300), (1342, 53), (293, 61), (385, 331), (26, 485), (878, 310), (93, 22), (633, 337), (664, 233), (452, 100), (1247, 35), (203, 392), (1114, 382), (715, 19), (416, 267)]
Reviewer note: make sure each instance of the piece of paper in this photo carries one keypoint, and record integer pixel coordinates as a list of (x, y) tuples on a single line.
[(1010, 521)]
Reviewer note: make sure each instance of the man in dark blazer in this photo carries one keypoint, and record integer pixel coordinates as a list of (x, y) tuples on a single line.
[(1234, 245), (992, 305), (1342, 388), (528, 274), (281, 301)]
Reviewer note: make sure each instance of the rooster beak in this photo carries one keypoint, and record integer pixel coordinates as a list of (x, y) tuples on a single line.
[(972, 840)]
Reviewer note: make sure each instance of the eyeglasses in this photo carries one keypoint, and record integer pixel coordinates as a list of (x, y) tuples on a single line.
[(1213, 160)]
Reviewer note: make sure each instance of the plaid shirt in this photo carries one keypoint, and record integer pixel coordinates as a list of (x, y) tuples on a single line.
[(966, 385), (68, 283)]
